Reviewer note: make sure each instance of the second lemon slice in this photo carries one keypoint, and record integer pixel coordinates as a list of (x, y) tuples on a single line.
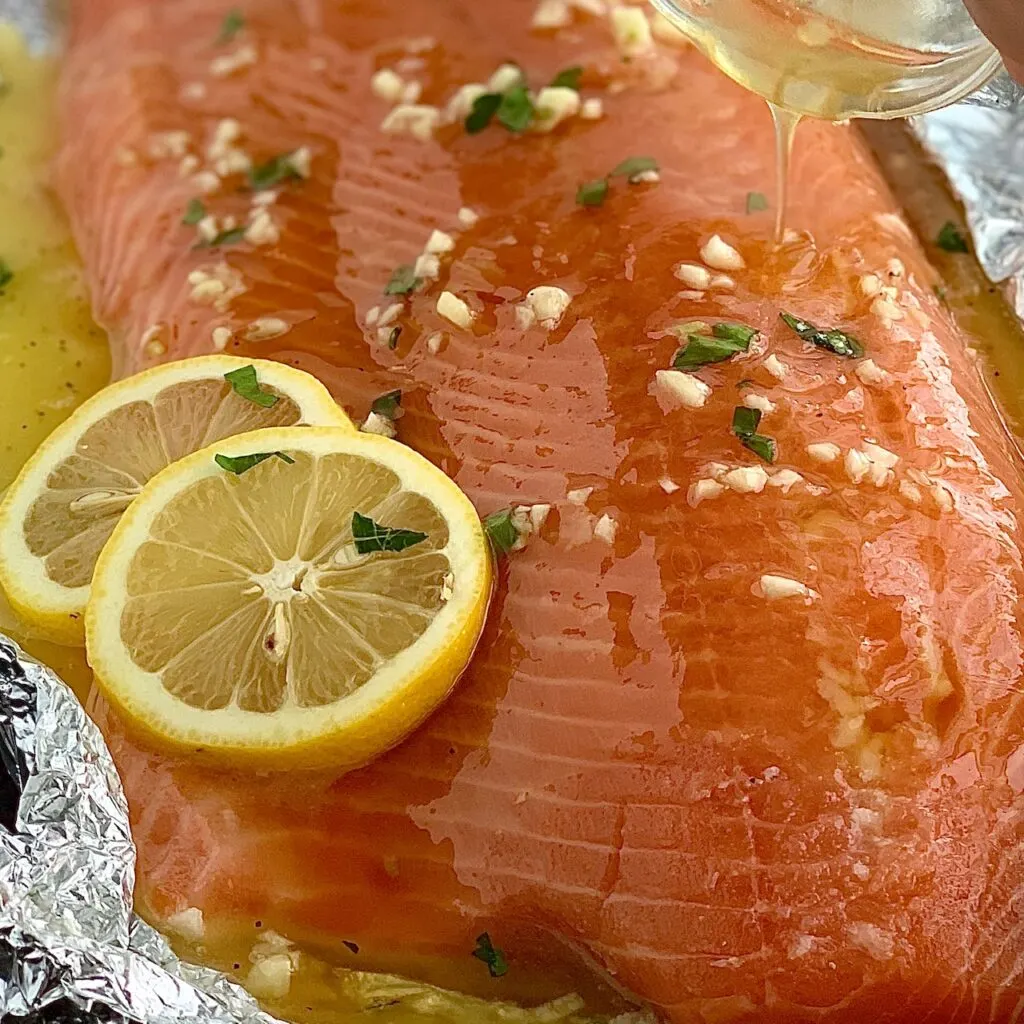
[(70, 495), (290, 597)]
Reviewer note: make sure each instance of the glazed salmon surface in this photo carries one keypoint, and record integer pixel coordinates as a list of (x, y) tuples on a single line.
[(738, 804)]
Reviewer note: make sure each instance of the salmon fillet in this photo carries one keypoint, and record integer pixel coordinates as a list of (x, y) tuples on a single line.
[(736, 799)]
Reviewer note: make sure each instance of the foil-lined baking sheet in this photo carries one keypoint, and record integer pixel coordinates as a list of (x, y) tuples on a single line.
[(71, 949)]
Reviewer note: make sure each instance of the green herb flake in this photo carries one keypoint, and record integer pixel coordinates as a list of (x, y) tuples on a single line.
[(396, 333), (725, 341), (274, 171), (246, 385), (403, 281), (370, 536), (592, 193), (6, 275), (837, 342), (483, 109), (741, 334), (633, 166), (745, 421), (194, 212), (950, 239), (388, 404), (494, 958), (516, 109), (233, 23), (502, 531), (239, 464), (744, 425), (230, 237), (756, 202), (568, 79)]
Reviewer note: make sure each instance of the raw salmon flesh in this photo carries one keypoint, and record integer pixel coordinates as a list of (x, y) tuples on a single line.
[(748, 744)]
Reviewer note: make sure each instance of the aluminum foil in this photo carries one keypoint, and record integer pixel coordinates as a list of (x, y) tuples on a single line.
[(67, 866), (982, 153)]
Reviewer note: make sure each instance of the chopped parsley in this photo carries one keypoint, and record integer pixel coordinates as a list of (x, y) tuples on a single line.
[(725, 341), (239, 464), (231, 236), (592, 193), (634, 165), (6, 275), (568, 79), (516, 109), (275, 170), (744, 425), (370, 536), (502, 531), (388, 404), (951, 239), (396, 333), (194, 212), (484, 108), (756, 202), (497, 965), (403, 280), (233, 23), (838, 342), (246, 385)]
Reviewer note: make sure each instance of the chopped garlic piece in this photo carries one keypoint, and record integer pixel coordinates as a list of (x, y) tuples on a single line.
[(606, 529), (668, 485), (375, 423), (427, 266), (719, 255), (759, 402), (876, 453), (552, 14), (221, 337), (413, 119), (723, 283), (229, 63), (270, 977), (468, 217), (508, 76), (439, 242), (632, 30), (824, 451), (452, 308), (702, 490), (775, 587), (462, 102), (187, 923), (387, 85), (538, 515), (434, 342), (592, 109), (266, 327), (525, 317), (188, 165), (300, 160), (152, 342), (412, 92), (746, 479), (694, 276), (262, 230), (548, 303), (579, 496), (870, 372), (776, 367), (785, 479), (683, 388), (911, 492), (857, 465), (870, 285), (885, 309), (206, 182), (555, 104)]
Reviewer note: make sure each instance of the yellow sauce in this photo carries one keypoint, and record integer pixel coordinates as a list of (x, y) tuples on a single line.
[(52, 356)]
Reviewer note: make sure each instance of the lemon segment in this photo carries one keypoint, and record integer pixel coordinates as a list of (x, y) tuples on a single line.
[(69, 496), (239, 614)]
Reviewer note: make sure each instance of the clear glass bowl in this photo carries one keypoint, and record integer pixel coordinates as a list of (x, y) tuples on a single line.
[(842, 58)]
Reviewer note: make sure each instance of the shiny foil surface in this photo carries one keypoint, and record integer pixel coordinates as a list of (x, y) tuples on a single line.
[(68, 936)]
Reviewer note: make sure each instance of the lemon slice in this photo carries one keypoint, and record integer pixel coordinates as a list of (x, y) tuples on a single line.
[(69, 496), (289, 597)]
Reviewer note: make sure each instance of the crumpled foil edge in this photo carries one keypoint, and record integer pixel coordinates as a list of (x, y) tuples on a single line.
[(67, 868), (981, 150)]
